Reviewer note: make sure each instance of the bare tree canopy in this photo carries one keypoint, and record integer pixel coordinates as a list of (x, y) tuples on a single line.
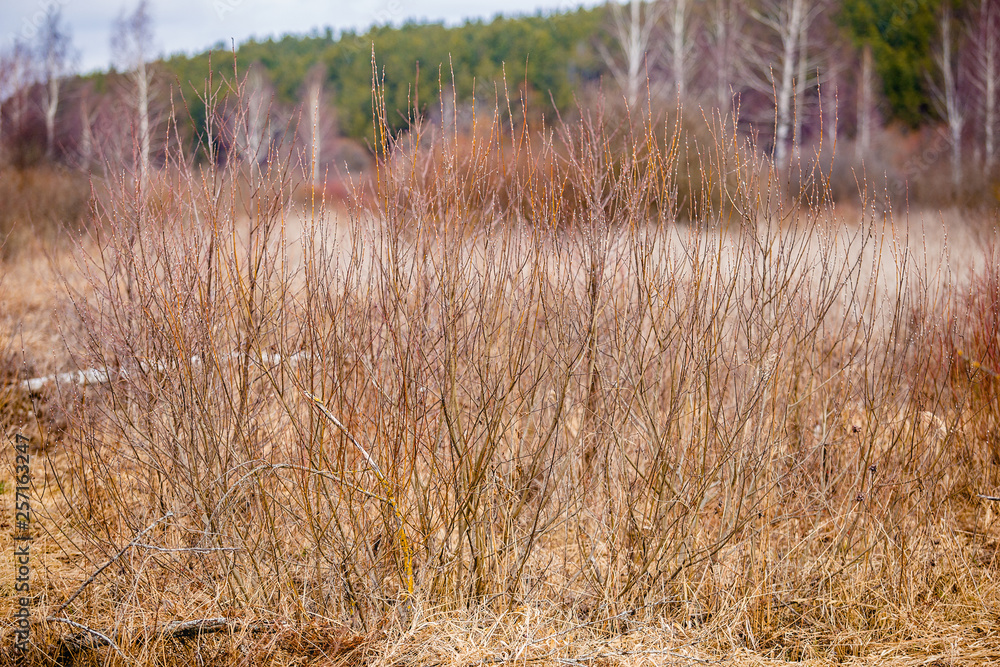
[(633, 32), (56, 57), (679, 45), (984, 30), (779, 67), (131, 44), (946, 95), (17, 71), (132, 37)]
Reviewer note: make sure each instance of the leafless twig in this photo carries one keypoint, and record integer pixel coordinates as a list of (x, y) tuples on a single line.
[(128, 546)]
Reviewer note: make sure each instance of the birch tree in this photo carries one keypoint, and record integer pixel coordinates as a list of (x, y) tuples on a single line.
[(830, 93), (984, 28), (867, 29), (632, 30), (86, 149), (132, 44), (947, 93), (678, 19), (253, 137), (6, 91), (837, 53), (799, 85), (313, 99), (55, 56), (724, 28), (16, 75), (789, 20), (865, 102)]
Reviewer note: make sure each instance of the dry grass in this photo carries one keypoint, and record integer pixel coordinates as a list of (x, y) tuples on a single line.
[(39, 205), (553, 423)]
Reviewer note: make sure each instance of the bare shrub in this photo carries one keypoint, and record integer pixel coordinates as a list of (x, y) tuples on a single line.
[(512, 377)]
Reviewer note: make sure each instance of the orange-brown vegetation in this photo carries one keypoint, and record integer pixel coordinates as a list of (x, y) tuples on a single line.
[(510, 406)]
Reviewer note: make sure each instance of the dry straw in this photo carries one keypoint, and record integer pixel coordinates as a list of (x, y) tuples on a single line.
[(628, 391)]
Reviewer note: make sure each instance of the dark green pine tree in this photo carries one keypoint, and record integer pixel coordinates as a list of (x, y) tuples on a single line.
[(900, 35)]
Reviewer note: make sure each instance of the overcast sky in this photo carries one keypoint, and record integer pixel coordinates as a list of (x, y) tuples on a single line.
[(192, 26)]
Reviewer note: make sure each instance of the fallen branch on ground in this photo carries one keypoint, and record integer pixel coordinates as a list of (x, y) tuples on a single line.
[(96, 376), (90, 639)]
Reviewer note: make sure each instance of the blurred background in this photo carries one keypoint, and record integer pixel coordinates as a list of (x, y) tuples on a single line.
[(902, 92)]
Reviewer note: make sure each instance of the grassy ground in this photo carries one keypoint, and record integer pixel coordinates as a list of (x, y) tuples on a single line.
[(535, 398)]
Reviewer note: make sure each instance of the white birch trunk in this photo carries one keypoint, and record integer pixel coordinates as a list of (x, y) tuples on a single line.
[(863, 145), (51, 107), (634, 52), (723, 90), (632, 30), (86, 134), (314, 95), (953, 112), (785, 90), (54, 52), (142, 107), (800, 88), (830, 92), (255, 118), (987, 80), (989, 115), (132, 44), (679, 48), (723, 29)]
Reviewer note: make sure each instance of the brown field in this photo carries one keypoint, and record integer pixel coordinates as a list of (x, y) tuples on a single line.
[(582, 397)]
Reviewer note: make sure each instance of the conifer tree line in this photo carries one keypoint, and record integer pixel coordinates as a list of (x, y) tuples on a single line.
[(793, 70)]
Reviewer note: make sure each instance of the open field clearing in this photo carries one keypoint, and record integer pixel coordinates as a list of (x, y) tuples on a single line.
[(530, 399)]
